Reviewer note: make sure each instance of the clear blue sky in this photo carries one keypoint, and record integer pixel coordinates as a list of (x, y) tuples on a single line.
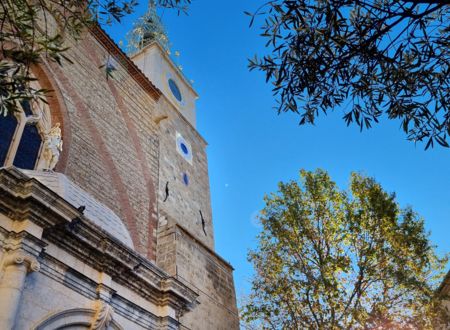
[(251, 148)]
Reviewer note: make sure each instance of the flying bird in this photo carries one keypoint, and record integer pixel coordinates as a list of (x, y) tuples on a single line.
[(203, 222), (167, 191)]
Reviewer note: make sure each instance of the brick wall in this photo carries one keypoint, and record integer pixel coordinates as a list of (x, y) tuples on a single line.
[(116, 151), (113, 147)]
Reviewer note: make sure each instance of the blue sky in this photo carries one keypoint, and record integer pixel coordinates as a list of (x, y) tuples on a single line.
[(251, 148)]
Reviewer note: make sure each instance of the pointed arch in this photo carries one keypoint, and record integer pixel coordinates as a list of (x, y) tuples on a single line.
[(23, 134), (58, 109)]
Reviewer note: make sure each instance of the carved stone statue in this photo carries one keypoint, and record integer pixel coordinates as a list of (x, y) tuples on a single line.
[(53, 147)]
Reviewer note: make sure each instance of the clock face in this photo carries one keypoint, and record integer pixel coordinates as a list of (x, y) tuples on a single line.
[(175, 90)]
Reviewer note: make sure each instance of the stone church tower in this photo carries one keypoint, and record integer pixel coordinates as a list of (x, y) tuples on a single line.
[(119, 235)]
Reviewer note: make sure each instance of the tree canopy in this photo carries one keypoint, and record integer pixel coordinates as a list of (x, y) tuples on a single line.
[(33, 30), (334, 259), (369, 58)]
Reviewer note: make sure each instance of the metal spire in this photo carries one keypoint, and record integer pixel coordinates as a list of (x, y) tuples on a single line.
[(147, 29)]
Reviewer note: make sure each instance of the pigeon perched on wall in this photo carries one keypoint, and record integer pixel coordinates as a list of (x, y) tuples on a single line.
[(81, 209), (73, 224)]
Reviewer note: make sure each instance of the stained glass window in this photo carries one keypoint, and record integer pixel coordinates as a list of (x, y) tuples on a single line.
[(26, 106), (8, 127), (29, 146), (20, 137)]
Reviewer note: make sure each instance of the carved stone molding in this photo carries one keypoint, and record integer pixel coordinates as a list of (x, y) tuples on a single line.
[(103, 316), (14, 268), (84, 241), (72, 318), (19, 258), (21, 249)]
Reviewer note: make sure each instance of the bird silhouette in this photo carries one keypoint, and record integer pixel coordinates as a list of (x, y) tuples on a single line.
[(167, 191), (203, 222), (73, 224), (81, 209)]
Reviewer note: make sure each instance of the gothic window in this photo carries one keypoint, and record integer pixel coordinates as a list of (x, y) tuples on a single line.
[(8, 127), (22, 135), (29, 147)]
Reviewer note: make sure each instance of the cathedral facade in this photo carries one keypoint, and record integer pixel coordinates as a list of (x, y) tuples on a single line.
[(105, 215)]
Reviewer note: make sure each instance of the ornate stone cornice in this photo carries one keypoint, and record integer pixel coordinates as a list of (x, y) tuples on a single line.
[(24, 198), (21, 241), (128, 268)]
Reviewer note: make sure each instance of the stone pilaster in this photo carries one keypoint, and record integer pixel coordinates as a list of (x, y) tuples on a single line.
[(15, 267)]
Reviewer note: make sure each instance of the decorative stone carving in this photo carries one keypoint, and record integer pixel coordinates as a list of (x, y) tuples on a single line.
[(18, 258), (15, 266), (103, 316), (52, 148), (159, 119)]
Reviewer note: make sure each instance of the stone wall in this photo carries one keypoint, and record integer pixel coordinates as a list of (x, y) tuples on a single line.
[(205, 272), (185, 201), (118, 150), (112, 151), (60, 268), (156, 64), (57, 288)]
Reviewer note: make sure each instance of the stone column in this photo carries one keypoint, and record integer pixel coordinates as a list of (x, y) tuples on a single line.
[(15, 267)]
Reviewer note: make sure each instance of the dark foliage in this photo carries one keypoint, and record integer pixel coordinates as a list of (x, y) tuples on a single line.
[(33, 29), (370, 58)]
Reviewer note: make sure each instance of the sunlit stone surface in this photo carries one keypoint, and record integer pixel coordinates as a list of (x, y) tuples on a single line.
[(95, 211)]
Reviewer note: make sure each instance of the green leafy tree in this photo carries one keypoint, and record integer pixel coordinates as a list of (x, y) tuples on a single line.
[(31, 30), (371, 58), (332, 259)]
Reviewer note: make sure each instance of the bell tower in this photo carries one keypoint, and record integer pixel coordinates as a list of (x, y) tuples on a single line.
[(183, 180), (155, 62), (149, 47), (185, 235)]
